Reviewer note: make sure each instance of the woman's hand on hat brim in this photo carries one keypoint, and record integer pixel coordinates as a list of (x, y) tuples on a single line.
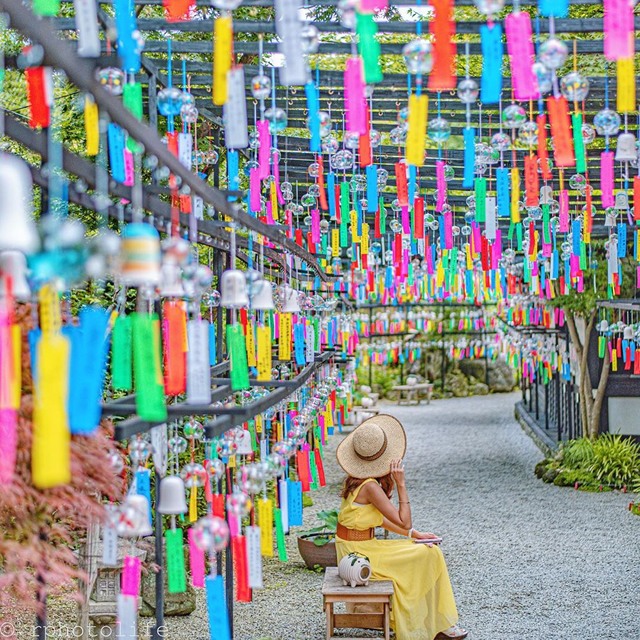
[(397, 472)]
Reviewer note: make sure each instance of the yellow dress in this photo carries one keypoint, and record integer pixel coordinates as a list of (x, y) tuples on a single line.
[(423, 604)]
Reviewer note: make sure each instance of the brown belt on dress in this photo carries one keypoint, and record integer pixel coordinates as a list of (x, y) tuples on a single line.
[(354, 535)]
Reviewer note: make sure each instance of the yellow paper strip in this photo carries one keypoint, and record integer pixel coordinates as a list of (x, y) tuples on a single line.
[(222, 39), (16, 378), (265, 517), (626, 85), (251, 345), (91, 127), (416, 136), (264, 353), (284, 341), (364, 240), (515, 196)]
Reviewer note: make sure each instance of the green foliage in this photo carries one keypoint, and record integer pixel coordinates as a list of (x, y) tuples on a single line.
[(569, 478), (578, 454), (616, 460), (383, 377), (326, 532)]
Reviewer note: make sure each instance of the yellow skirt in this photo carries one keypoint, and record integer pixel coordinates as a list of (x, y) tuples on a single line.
[(423, 604)]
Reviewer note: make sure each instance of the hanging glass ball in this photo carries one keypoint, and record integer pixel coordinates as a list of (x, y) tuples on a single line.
[(226, 5), (468, 91), (514, 116), (418, 57), (574, 87), (501, 141), (169, 101), (347, 12), (342, 160), (358, 182), (403, 117), (330, 145), (588, 133), (314, 170), (398, 136), (469, 217), (544, 77), (239, 504), (577, 182), (194, 429), (307, 221), (396, 206), (388, 256), (277, 118), (194, 475), (553, 53), (189, 114), (395, 226), (308, 200), (375, 248), (211, 534), (489, 7), (439, 130), (351, 140), (535, 213), (261, 86), (465, 230), (310, 38), (325, 123), (375, 137), (528, 134), (493, 156), (607, 122), (216, 468), (212, 299), (254, 140), (383, 176), (111, 79), (449, 173)]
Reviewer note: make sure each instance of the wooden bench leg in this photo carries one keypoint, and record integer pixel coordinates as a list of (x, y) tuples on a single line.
[(386, 621), (329, 612)]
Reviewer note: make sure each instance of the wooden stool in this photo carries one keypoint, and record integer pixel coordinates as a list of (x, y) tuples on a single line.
[(378, 591)]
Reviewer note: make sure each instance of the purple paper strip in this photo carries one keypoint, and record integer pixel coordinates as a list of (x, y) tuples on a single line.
[(564, 211), (441, 186), (254, 189), (264, 151), (606, 178), (406, 220)]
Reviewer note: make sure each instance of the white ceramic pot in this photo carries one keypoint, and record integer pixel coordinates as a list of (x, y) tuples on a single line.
[(355, 570)]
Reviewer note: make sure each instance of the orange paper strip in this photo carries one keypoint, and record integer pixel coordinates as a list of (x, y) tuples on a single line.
[(561, 132)]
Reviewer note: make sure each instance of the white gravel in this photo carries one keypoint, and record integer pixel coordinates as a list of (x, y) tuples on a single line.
[(528, 561)]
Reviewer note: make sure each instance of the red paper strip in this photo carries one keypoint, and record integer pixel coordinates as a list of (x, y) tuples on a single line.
[(443, 31), (324, 205), (320, 468), (418, 218), (589, 209), (561, 132), (304, 472), (178, 10), (241, 568), (39, 96), (401, 184), (217, 505), (543, 152), (531, 180), (364, 145), (175, 355), (298, 237)]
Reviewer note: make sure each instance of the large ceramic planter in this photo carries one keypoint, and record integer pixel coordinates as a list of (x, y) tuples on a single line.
[(313, 555)]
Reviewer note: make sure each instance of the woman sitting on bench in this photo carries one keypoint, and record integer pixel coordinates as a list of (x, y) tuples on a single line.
[(423, 604)]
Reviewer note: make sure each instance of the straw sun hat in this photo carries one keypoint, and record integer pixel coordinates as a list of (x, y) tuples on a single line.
[(367, 452)]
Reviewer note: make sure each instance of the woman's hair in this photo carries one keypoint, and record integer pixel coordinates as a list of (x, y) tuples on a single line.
[(351, 484)]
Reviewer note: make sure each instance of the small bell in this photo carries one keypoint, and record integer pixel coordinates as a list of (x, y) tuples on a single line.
[(627, 334), (263, 300), (136, 522), (172, 496), (14, 264), (290, 302), (17, 228), (234, 290), (626, 151), (171, 281)]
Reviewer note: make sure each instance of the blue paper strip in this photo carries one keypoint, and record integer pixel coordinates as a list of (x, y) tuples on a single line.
[(331, 194), (372, 188), (556, 265), (217, 608), (129, 49), (577, 234), (115, 138), (555, 8), (233, 179), (315, 143), (492, 53), (212, 344), (443, 241), (411, 191), (622, 240), (143, 488), (299, 344), (469, 158), (503, 182), (294, 503), (359, 212)]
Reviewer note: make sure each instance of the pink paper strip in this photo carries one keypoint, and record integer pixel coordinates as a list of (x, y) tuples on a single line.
[(496, 252), (406, 220), (430, 266), (564, 211), (370, 6), (476, 236), (607, 178), (9, 440), (254, 190), (448, 231), (520, 47), (618, 27), (315, 225), (129, 171), (354, 97), (131, 569), (264, 150), (441, 186), (196, 561)]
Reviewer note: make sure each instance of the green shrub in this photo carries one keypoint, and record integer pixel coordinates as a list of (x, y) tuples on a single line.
[(569, 477), (542, 467), (550, 475), (578, 454), (616, 460)]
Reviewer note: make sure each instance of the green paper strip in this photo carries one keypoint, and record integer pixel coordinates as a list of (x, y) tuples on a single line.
[(323, 244), (546, 227), (122, 355), (282, 547), (481, 199), (345, 215), (602, 346), (150, 401), (132, 100), (410, 278), (583, 256), (252, 431), (512, 228), (369, 47), (519, 235), (383, 217), (526, 273), (315, 482), (316, 333), (46, 7), (176, 578), (578, 143), (236, 346)]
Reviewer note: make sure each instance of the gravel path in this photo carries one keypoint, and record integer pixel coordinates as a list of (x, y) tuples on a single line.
[(528, 561)]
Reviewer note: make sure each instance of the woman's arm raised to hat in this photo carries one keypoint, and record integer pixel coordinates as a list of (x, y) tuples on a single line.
[(372, 493)]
